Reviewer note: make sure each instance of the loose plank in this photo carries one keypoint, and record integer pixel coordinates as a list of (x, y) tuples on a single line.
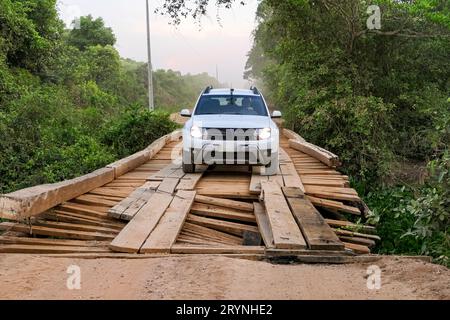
[(316, 231), (136, 232), (263, 224), (285, 231), (165, 234)]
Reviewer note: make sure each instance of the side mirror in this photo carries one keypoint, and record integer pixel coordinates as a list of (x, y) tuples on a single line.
[(276, 115), (185, 113)]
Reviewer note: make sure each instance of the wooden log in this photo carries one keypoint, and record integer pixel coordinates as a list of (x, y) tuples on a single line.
[(165, 234), (292, 135), (285, 231), (136, 232), (33, 201), (316, 152), (316, 231), (357, 248)]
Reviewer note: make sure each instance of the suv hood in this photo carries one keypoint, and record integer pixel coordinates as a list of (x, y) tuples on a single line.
[(224, 121)]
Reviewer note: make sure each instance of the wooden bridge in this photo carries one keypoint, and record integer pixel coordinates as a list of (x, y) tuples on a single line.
[(145, 206)]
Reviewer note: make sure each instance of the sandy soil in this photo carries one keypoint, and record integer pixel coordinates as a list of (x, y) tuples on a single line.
[(32, 277)]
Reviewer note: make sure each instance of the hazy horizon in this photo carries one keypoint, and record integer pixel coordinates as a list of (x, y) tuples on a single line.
[(188, 48)]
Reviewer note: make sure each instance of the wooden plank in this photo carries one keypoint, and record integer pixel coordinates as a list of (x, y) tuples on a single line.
[(74, 218), (264, 225), (141, 192), (238, 205), (168, 185), (356, 234), (357, 248), (225, 226), (137, 205), (136, 232), (51, 242), (190, 181), (316, 152), (347, 224), (35, 249), (285, 231), (184, 249), (165, 172), (255, 182), (316, 231), (356, 240), (291, 177), (57, 233), (33, 201), (165, 234), (212, 234), (332, 204), (205, 210), (76, 227)]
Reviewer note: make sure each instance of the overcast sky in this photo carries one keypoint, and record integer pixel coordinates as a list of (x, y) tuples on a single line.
[(186, 48)]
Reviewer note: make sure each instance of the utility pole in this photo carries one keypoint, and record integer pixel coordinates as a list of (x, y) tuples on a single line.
[(151, 103)]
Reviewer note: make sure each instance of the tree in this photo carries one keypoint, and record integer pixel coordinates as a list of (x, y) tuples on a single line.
[(92, 32)]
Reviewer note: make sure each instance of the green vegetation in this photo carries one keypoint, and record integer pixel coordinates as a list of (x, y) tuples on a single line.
[(69, 103), (377, 98)]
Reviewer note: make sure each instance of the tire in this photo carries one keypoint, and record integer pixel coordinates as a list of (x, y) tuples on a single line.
[(188, 168)]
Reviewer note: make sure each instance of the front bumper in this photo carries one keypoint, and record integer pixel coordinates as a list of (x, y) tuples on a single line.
[(197, 151)]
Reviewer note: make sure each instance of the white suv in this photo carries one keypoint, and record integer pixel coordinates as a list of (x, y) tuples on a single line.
[(231, 126)]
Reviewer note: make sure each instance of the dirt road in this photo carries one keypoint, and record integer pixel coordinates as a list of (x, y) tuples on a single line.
[(28, 277)]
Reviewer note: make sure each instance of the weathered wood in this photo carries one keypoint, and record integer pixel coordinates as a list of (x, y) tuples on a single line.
[(33, 201), (211, 233), (37, 249), (51, 242), (264, 224), (285, 231), (168, 185), (190, 181), (226, 203), (225, 226), (350, 225), (357, 248), (57, 233), (316, 152), (332, 204), (184, 249), (136, 232), (165, 234), (292, 135), (205, 210), (316, 231), (356, 234), (255, 182)]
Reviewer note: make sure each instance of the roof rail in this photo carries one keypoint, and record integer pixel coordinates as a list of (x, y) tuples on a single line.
[(208, 89), (255, 90)]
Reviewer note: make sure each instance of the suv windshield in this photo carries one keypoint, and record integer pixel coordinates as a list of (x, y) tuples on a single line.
[(231, 104)]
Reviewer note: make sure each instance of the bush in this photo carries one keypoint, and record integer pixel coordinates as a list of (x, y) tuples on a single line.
[(135, 130)]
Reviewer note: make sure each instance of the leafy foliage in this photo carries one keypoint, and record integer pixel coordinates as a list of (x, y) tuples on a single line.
[(69, 103)]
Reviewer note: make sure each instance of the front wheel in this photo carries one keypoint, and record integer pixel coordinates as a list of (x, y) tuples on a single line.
[(188, 168)]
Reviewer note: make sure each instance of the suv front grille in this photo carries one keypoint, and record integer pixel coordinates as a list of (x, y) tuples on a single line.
[(220, 134)]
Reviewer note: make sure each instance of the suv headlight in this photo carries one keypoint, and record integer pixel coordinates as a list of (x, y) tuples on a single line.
[(264, 134), (196, 132)]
